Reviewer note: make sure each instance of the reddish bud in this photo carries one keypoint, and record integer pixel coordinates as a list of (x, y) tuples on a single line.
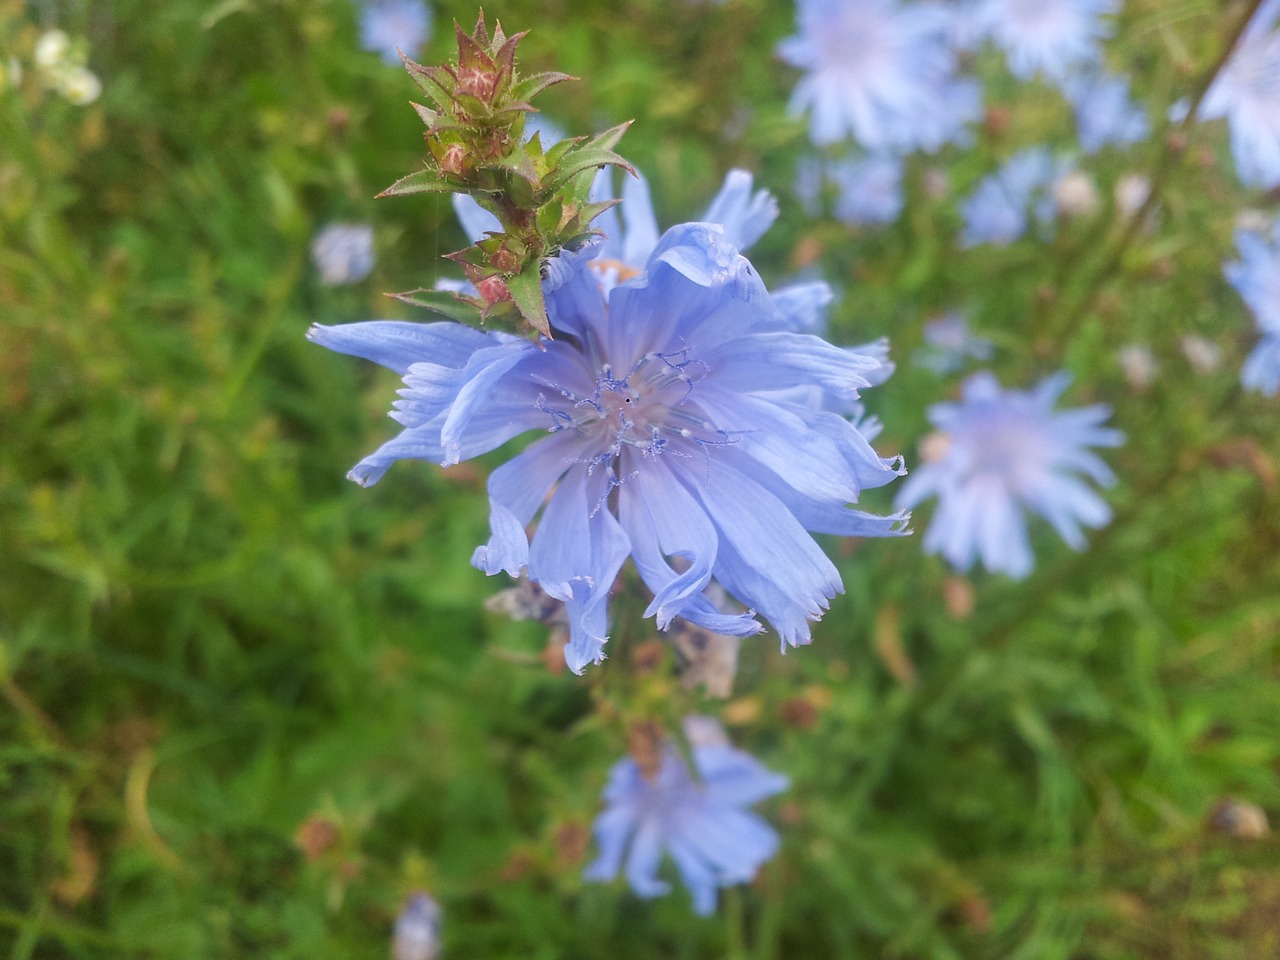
[(493, 290), (477, 83)]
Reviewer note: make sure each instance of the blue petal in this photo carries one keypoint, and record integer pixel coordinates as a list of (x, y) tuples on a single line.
[(642, 860), (576, 553), (484, 371), (745, 216), (766, 559), (421, 443), (516, 490), (397, 344), (663, 520), (783, 360)]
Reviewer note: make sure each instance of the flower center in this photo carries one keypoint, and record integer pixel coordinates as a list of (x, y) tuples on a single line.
[(649, 410)]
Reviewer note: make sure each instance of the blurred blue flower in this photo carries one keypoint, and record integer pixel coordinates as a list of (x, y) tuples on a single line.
[(869, 189), (389, 26), (1247, 93), (950, 344), (343, 253), (684, 419), (417, 933), (701, 822), (999, 209), (1050, 37), (999, 453), (882, 72), (1256, 277), (1104, 112)]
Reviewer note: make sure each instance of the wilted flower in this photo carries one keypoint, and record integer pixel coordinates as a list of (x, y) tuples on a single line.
[(701, 822), (343, 253), (1256, 277), (1131, 192), (869, 189), (417, 933), (1204, 355), (881, 72), (998, 210), (950, 344), (1050, 37), (1139, 365), (1104, 112), (1076, 195), (685, 419), (389, 26), (1247, 93), (1001, 452)]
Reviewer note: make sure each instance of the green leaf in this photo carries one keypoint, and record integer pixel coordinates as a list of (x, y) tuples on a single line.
[(530, 87), (435, 82), (424, 181), (519, 163), (444, 302), (577, 161), (526, 293)]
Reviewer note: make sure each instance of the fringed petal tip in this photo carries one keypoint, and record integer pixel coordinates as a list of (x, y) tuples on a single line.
[(581, 653)]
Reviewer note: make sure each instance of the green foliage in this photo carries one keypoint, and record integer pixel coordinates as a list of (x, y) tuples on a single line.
[(247, 706)]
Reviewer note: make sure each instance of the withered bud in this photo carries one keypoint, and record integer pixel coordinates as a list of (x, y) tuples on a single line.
[(645, 740), (504, 260), (454, 160), (316, 836)]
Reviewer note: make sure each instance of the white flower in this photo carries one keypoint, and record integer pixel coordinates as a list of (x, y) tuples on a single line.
[(79, 85), (52, 49)]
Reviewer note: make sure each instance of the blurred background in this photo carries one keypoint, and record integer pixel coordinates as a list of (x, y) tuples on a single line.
[(249, 708)]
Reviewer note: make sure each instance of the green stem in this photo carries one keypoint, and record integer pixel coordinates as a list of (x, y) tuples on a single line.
[(1069, 325), (735, 924)]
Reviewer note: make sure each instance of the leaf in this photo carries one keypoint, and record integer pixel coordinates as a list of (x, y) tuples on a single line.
[(430, 80), (517, 162), (530, 87), (424, 181), (577, 161), (609, 139), (526, 293), (444, 302)]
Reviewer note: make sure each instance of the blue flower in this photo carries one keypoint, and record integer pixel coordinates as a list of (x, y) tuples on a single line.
[(417, 933), (1256, 277), (950, 344), (1050, 37), (1247, 92), (343, 253), (1104, 112), (1000, 453), (389, 26), (700, 822), (881, 72), (869, 189), (683, 418), (999, 209)]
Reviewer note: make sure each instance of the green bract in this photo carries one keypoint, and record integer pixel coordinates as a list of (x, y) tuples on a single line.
[(476, 146)]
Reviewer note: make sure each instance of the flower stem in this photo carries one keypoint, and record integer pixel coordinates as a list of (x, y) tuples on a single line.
[(735, 922), (1171, 152)]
